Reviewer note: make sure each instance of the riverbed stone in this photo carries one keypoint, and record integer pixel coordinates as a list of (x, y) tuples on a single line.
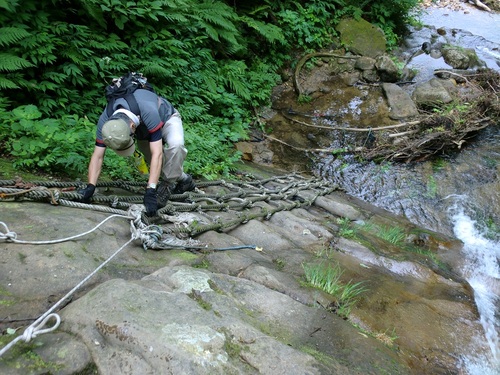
[(365, 63), (387, 69), (431, 92), (459, 58), (400, 102)]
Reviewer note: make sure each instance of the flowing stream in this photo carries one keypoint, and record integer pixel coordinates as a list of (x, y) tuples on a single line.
[(458, 195), (483, 273)]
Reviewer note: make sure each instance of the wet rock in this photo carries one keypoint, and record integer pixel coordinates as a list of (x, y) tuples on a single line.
[(370, 76), (459, 58), (400, 102), (387, 69), (351, 78), (233, 311), (221, 328), (431, 92), (361, 37), (365, 63)]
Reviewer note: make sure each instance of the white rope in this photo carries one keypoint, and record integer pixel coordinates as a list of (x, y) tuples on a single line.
[(12, 236), (36, 328), (151, 236)]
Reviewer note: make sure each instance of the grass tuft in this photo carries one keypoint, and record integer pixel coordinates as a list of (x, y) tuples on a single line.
[(327, 277)]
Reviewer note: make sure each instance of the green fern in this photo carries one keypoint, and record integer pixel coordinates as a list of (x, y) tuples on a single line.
[(10, 35), (234, 74), (271, 33), (10, 63), (8, 5), (6, 83)]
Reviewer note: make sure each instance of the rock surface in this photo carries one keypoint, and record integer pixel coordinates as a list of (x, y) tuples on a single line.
[(362, 38), (233, 311)]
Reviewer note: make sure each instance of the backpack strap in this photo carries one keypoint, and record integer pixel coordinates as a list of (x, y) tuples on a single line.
[(131, 101)]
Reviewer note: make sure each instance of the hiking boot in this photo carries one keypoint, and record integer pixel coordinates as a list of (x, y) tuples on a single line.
[(164, 191), (186, 184)]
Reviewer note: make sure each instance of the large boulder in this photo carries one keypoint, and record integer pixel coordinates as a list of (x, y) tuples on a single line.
[(361, 37), (241, 304)]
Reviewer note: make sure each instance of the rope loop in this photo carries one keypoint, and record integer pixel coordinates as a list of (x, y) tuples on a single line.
[(36, 329), (8, 235), (54, 196)]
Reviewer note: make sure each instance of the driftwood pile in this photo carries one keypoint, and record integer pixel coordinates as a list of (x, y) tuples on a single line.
[(440, 129), (443, 129)]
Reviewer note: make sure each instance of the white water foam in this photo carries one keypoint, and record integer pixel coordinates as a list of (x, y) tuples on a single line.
[(482, 270)]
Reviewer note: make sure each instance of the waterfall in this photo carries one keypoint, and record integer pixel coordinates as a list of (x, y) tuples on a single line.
[(482, 270)]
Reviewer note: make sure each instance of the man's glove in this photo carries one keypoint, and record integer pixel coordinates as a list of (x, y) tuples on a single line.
[(151, 202), (87, 193)]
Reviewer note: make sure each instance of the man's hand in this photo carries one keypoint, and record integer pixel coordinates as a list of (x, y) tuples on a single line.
[(87, 193), (150, 202)]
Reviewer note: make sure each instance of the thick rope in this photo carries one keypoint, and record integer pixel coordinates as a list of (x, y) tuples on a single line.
[(242, 195)]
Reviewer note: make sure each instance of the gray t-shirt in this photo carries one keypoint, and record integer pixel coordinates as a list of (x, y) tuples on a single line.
[(154, 112)]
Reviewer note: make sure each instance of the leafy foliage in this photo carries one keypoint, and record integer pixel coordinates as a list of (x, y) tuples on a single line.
[(48, 144), (215, 60)]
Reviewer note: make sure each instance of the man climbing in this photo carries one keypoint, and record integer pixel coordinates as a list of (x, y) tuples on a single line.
[(157, 126)]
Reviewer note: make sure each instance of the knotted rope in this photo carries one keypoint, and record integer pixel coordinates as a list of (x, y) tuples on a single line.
[(151, 235), (283, 195)]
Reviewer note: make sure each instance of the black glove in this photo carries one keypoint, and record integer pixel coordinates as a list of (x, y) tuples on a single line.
[(87, 193), (151, 202)]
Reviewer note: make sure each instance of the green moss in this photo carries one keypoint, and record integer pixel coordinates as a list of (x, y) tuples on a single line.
[(6, 298), (319, 356), (279, 263), (232, 348), (22, 356), (35, 362), (203, 263), (214, 287), (22, 257), (8, 172), (196, 296), (184, 255)]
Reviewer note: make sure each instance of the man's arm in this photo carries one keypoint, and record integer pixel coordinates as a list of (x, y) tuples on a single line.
[(156, 149), (95, 164), (94, 171), (150, 197)]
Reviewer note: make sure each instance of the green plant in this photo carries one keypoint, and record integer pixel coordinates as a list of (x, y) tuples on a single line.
[(324, 252), (216, 61), (345, 229), (327, 277), (304, 99), (438, 164), (349, 297), (394, 235), (431, 188), (46, 143), (279, 263), (307, 25)]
